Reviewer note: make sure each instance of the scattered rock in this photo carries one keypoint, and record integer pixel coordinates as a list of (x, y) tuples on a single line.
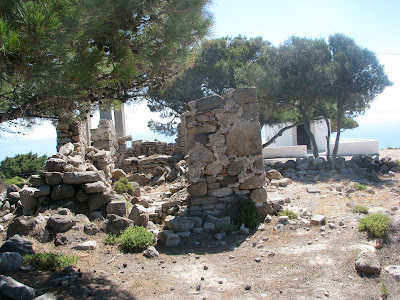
[(10, 261), (61, 240), (89, 245), (117, 208), (22, 225), (318, 220), (115, 224), (313, 190), (14, 289), (367, 263), (139, 215), (17, 244), (394, 271), (90, 229), (243, 230), (61, 223), (151, 252), (169, 239), (179, 224)]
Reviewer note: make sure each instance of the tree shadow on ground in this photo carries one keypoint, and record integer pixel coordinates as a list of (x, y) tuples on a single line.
[(78, 286)]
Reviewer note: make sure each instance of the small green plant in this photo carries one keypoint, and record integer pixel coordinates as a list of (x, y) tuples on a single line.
[(18, 181), (50, 261), (359, 209), (376, 224), (123, 186), (227, 228), (360, 187), (248, 215), (385, 291), (135, 239), (287, 212), (111, 239)]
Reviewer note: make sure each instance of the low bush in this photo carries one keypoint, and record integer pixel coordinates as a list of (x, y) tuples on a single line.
[(50, 261), (135, 239), (110, 239), (248, 215), (123, 186), (375, 224), (18, 181), (359, 209), (227, 228), (287, 212), (360, 187), (132, 239)]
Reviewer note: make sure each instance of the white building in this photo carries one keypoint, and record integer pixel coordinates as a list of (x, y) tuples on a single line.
[(295, 142)]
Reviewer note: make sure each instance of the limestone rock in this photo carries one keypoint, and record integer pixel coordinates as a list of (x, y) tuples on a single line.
[(15, 290), (200, 153), (235, 168), (116, 208), (83, 177), (221, 192), (36, 180), (43, 190), (94, 187), (273, 174), (139, 215), (169, 239), (179, 224), (115, 224), (197, 189), (254, 182), (55, 165), (367, 263), (89, 245), (318, 220), (97, 200), (258, 195), (66, 149), (244, 140), (28, 200), (22, 225), (61, 223), (394, 271), (90, 229), (10, 261), (213, 168), (313, 190), (245, 95), (151, 252), (118, 174), (17, 244), (208, 103)]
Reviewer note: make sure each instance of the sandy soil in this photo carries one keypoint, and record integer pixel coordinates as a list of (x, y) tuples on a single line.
[(299, 262)]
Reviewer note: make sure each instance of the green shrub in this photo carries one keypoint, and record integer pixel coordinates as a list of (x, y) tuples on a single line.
[(111, 239), (123, 186), (227, 228), (360, 187), (50, 261), (23, 165), (376, 224), (18, 181), (135, 239), (248, 215), (359, 209), (287, 212)]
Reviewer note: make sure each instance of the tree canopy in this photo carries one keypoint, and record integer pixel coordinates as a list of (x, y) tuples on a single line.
[(22, 165), (59, 57), (211, 72)]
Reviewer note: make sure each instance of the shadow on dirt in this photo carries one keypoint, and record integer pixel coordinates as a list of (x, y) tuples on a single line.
[(77, 286)]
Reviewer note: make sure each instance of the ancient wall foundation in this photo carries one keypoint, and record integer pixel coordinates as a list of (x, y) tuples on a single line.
[(225, 162)]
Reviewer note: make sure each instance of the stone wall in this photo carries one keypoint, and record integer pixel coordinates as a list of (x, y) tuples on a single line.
[(70, 133), (226, 164)]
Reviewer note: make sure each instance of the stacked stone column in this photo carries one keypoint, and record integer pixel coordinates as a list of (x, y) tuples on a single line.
[(225, 163)]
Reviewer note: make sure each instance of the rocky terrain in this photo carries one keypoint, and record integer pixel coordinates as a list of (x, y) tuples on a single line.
[(311, 257)]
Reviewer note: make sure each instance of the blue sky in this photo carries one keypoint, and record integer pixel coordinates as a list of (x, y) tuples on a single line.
[(372, 24)]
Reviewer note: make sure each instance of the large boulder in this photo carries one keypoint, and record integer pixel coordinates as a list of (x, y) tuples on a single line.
[(115, 224), (15, 290), (94, 187), (139, 215), (17, 244), (61, 223), (10, 261), (22, 225)]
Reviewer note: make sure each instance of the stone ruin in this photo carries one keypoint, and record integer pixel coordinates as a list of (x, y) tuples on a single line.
[(225, 158)]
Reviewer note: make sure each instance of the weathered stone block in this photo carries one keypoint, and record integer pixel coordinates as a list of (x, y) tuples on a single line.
[(197, 189), (53, 178), (82, 177), (203, 200), (245, 95), (139, 215), (116, 208), (203, 128), (258, 195), (221, 192), (244, 140), (94, 187), (55, 165), (254, 182), (62, 191), (208, 103), (200, 153)]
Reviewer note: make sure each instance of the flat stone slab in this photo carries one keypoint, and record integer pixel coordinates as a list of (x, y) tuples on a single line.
[(318, 220), (89, 245), (82, 177), (394, 271), (313, 190)]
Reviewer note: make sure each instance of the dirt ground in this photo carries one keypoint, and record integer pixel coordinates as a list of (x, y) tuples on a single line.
[(299, 262)]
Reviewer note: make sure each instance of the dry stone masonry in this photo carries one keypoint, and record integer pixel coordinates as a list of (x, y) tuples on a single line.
[(225, 162)]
